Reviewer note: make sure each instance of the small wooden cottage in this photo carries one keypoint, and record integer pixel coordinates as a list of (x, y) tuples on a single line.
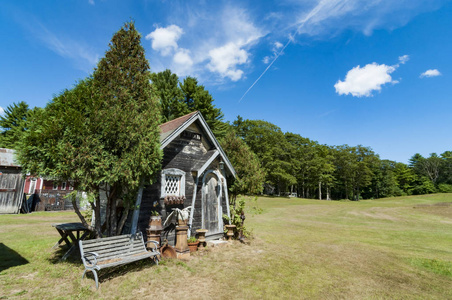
[(11, 183), (194, 173)]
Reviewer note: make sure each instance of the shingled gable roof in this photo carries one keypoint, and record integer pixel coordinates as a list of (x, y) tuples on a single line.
[(172, 129)]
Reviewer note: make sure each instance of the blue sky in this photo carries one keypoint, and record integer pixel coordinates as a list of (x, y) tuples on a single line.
[(375, 72)]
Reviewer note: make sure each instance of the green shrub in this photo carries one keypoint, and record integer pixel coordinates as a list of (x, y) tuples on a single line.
[(444, 188)]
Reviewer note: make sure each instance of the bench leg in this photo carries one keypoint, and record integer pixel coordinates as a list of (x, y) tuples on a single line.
[(95, 277), (156, 260)]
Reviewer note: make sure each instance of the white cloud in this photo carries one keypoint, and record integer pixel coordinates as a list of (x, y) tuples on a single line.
[(361, 82), (404, 58), (1, 110), (215, 46), (241, 34), (182, 62), (164, 39), (224, 60), (278, 45), (182, 57), (91, 2), (430, 73)]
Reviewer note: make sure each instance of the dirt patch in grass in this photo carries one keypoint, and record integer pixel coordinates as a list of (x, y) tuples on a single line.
[(376, 213), (443, 209)]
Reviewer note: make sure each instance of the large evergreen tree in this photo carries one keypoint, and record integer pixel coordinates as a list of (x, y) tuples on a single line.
[(13, 124), (180, 98), (102, 133), (268, 142), (250, 175), (166, 85)]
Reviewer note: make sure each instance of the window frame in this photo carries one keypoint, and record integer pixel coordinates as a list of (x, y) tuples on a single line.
[(172, 172)]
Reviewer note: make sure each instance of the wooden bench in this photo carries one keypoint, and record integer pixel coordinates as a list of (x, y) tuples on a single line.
[(113, 251)]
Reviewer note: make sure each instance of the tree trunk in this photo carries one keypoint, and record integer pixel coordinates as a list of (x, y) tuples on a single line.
[(98, 224), (328, 193), (122, 221), (320, 190), (107, 215), (80, 216), (113, 217)]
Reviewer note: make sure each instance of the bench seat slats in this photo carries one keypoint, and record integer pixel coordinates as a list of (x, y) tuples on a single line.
[(106, 243), (122, 248), (119, 255), (114, 251)]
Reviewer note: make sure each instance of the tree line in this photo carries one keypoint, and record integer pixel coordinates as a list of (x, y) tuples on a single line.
[(293, 163)]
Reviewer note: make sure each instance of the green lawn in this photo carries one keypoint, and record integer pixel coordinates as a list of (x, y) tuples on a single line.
[(389, 248)]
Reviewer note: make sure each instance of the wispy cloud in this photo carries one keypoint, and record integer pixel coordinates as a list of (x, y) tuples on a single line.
[(362, 82), (430, 73), (329, 17), (2, 110), (83, 57), (404, 58)]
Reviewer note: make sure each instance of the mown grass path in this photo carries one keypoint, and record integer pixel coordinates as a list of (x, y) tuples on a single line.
[(395, 248)]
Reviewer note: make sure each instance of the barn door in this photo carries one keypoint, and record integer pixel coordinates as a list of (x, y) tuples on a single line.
[(212, 214)]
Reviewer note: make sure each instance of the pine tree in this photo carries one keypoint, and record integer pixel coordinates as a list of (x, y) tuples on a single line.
[(102, 133), (170, 95), (197, 98), (13, 124)]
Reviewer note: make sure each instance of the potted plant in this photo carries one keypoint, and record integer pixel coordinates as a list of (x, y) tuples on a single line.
[(192, 244)]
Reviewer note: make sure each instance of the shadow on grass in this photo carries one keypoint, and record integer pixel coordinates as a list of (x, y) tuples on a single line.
[(104, 274), (10, 258), (113, 272), (57, 255)]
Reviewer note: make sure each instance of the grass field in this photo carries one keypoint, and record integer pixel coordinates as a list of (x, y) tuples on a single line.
[(395, 248)]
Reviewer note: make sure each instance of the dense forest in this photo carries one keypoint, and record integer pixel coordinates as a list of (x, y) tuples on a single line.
[(282, 162)]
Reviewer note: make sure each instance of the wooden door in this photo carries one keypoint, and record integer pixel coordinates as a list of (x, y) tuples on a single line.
[(211, 207)]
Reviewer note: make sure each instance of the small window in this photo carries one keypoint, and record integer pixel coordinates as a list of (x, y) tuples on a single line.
[(63, 186), (71, 186), (173, 183), (55, 185)]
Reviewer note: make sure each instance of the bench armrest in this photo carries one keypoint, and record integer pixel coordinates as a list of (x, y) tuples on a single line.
[(156, 245), (86, 258)]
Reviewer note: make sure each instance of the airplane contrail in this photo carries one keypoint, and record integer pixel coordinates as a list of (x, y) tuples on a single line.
[(318, 8), (266, 69)]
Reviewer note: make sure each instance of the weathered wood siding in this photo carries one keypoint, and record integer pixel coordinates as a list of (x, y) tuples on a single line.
[(11, 191), (182, 153)]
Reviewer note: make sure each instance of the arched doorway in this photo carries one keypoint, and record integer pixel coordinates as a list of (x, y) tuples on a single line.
[(211, 205)]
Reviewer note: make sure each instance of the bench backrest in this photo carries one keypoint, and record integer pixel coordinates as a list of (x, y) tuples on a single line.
[(114, 247)]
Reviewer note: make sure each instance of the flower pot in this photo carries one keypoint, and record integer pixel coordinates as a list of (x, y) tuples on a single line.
[(155, 222), (193, 246)]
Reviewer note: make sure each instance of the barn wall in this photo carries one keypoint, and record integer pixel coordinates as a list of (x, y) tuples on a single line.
[(11, 190)]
